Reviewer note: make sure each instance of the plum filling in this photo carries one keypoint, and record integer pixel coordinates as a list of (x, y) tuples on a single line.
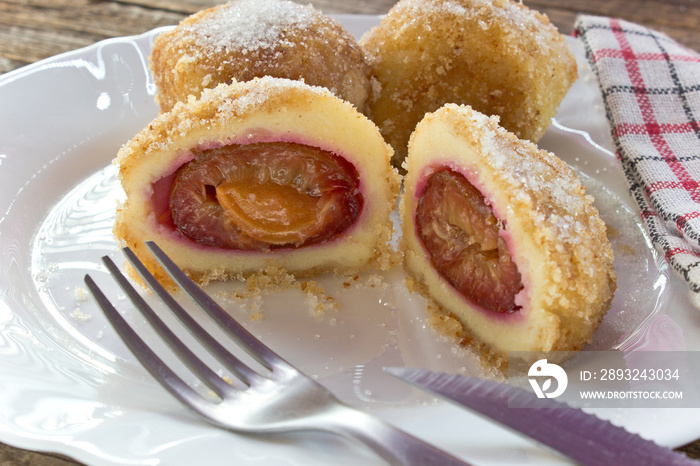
[(461, 235), (264, 195)]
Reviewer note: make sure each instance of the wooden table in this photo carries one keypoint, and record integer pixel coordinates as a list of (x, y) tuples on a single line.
[(31, 30)]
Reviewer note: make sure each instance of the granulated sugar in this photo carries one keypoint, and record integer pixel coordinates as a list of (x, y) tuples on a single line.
[(249, 25)]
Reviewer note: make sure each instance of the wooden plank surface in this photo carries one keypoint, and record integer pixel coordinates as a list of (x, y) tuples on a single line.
[(31, 30), (34, 29)]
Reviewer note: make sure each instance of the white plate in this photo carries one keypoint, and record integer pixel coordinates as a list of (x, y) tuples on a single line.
[(68, 385)]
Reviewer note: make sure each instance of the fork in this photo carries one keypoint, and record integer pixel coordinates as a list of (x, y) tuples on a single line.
[(277, 399)]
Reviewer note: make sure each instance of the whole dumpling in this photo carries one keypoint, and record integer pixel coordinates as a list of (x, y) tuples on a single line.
[(245, 39), (497, 56)]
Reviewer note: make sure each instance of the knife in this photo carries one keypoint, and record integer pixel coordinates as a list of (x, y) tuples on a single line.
[(577, 435)]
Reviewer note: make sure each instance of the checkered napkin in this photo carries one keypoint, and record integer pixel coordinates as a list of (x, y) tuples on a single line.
[(651, 91)]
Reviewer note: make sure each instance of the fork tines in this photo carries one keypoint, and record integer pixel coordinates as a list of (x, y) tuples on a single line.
[(153, 363)]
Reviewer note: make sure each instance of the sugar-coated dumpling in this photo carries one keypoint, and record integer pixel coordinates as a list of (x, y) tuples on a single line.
[(244, 39), (503, 236), (498, 56), (268, 171)]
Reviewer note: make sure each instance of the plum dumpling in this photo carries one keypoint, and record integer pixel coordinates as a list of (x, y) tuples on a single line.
[(503, 236), (265, 172)]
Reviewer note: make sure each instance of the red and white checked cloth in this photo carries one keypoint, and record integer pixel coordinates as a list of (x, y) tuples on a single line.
[(651, 90)]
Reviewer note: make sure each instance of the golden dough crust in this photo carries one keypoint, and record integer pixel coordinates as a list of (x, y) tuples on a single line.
[(264, 109), (245, 39), (554, 234), (497, 56)]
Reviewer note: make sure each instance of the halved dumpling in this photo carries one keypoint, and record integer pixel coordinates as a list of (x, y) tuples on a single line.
[(503, 236), (267, 171)]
